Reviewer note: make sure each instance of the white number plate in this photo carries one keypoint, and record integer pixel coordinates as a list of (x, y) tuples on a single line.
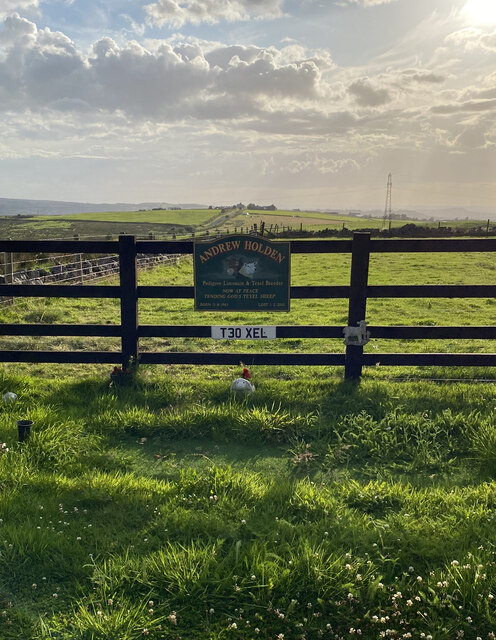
[(243, 333)]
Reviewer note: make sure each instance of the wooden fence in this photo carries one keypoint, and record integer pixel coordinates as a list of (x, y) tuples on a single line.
[(358, 292)]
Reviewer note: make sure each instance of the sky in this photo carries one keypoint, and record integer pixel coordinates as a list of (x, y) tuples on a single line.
[(304, 104)]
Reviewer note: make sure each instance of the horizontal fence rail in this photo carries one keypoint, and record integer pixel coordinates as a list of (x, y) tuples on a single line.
[(129, 331), (283, 331)]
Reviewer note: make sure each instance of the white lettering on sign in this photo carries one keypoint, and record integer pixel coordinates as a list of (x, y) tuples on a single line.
[(243, 333)]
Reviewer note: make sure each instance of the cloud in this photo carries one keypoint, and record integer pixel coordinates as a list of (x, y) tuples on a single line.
[(367, 3), (366, 95), (7, 7), (473, 137), (43, 69), (468, 106), (472, 38), (177, 13), (429, 77)]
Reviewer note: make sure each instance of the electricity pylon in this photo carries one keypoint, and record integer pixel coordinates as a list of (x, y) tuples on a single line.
[(386, 221)]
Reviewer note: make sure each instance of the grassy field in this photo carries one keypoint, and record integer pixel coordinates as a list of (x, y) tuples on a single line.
[(312, 509), (140, 223), (192, 217), (183, 222)]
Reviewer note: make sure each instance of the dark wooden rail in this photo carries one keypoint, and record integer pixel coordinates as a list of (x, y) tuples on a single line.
[(358, 292)]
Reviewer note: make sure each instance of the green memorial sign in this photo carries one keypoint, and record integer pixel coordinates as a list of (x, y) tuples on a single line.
[(242, 273)]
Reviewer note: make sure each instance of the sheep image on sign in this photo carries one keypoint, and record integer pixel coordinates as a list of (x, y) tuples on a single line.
[(242, 273)]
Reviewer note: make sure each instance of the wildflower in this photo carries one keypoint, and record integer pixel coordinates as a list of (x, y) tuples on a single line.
[(99, 613), (243, 521), (150, 603), (110, 602), (173, 617), (55, 595), (211, 611), (419, 578), (257, 630), (280, 636), (150, 611), (233, 625), (34, 585), (145, 632), (454, 563), (380, 585)]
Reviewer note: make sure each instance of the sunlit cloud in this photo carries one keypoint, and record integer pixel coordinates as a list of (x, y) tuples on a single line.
[(177, 13), (10, 6)]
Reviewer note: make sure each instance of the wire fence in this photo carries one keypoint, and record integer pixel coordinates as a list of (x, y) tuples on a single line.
[(76, 269)]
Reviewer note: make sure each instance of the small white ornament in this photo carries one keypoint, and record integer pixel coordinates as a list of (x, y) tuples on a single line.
[(9, 396), (242, 386), (357, 335)]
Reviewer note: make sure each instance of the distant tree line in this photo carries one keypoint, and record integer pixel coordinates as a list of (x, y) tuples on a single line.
[(409, 230), (250, 205)]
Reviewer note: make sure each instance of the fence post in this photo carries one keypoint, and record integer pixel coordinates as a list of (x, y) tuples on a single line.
[(129, 298), (360, 257), (8, 269), (79, 267)]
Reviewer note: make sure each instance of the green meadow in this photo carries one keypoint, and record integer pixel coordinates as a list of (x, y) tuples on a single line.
[(186, 221), (191, 217), (312, 508)]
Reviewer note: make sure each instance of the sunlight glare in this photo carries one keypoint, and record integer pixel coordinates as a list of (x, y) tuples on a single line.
[(480, 12)]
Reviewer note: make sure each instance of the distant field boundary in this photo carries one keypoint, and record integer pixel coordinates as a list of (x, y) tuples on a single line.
[(358, 292)]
